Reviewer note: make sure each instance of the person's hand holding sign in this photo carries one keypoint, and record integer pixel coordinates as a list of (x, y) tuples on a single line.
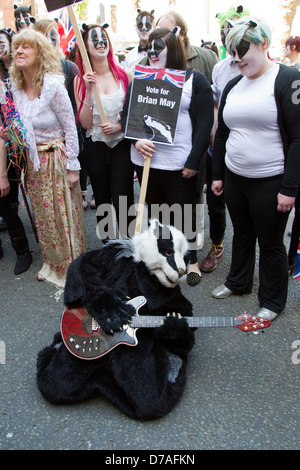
[(145, 148), (89, 78)]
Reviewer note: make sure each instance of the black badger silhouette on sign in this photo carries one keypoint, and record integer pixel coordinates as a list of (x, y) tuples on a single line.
[(161, 131)]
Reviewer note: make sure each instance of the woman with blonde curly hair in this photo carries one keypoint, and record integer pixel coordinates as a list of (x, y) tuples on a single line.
[(53, 168)]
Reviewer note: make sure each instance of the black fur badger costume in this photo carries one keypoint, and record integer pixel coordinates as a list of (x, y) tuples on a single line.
[(144, 381)]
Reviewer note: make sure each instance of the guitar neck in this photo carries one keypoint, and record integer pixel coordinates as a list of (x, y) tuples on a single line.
[(193, 322)]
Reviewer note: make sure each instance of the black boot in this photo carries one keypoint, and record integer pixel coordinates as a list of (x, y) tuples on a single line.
[(20, 245)]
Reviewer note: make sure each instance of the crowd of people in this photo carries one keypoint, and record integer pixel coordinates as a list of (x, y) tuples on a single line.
[(238, 131)]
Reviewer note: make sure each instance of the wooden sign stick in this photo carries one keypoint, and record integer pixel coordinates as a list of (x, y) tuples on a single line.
[(86, 62), (142, 199)]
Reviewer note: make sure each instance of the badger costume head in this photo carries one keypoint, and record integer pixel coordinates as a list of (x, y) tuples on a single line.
[(152, 264), (164, 250)]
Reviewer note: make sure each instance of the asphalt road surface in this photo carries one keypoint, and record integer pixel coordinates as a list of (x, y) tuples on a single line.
[(242, 390)]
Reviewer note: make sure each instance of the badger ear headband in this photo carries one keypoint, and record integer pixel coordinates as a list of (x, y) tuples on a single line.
[(252, 24), (85, 27), (176, 31), (7, 31)]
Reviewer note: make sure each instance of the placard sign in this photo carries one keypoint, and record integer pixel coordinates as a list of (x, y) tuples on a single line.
[(154, 104), (56, 4)]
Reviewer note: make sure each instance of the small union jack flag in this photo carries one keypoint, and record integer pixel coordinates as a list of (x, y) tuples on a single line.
[(66, 32), (175, 77), (297, 267)]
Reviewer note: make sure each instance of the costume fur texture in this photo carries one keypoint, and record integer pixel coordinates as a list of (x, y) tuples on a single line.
[(145, 381)]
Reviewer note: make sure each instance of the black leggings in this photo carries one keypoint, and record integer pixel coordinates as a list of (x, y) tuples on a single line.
[(216, 207), (170, 188), (252, 205), (111, 175)]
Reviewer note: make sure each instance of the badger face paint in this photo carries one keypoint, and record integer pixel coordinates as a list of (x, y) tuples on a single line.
[(22, 20), (4, 46), (52, 37), (241, 50), (225, 30), (157, 53), (97, 42), (144, 27), (249, 59)]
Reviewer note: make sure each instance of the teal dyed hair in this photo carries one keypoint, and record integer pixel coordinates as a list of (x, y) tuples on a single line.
[(251, 29)]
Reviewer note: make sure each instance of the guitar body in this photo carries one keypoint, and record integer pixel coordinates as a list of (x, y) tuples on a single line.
[(88, 341)]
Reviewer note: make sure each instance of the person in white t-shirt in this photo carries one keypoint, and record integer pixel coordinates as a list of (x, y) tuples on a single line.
[(256, 164)]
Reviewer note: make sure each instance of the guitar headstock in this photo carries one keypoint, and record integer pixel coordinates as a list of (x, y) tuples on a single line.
[(248, 323)]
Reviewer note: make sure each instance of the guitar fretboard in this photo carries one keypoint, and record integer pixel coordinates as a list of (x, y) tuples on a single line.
[(194, 322)]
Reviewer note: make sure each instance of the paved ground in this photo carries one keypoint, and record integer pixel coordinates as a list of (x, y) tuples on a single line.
[(242, 391)]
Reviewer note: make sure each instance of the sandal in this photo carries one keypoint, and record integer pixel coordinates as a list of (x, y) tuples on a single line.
[(84, 199), (292, 270), (92, 202)]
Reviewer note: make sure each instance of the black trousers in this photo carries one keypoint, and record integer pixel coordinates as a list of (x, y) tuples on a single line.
[(111, 175), (293, 248), (170, 188), (252, 205), (10, 216), (216, 207)]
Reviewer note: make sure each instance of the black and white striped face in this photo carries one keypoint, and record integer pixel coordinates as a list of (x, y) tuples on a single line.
[(144, 27), (164, 250)]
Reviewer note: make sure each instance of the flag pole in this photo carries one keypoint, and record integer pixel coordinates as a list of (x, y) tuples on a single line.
[(86, 61)]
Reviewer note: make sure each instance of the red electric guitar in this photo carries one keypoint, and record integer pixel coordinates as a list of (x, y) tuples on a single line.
[(84, 338)]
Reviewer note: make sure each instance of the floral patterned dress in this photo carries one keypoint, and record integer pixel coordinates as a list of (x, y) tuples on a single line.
[(53, 149)]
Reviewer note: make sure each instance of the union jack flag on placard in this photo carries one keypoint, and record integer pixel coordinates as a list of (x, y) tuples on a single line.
[(297, 267), (175, 77), (66, 32)]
